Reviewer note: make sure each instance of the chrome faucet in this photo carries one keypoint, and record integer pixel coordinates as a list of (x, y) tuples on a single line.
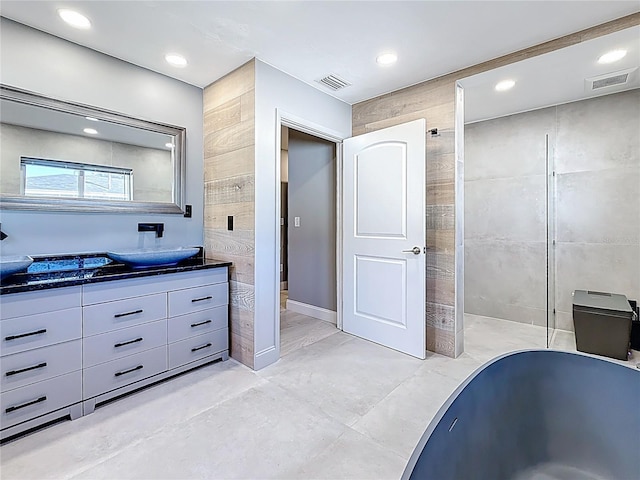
[(152, 227)]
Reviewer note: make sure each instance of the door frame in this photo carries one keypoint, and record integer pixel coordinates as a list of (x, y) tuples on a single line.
[(285, 119)]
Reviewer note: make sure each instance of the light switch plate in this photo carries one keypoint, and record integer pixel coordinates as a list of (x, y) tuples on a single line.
[(296, 221)]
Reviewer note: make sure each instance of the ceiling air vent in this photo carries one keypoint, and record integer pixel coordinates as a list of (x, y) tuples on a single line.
[(333, 82), (609, 80)]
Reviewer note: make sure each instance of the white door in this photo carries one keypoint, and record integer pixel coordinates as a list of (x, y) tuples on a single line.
[(384, 236)]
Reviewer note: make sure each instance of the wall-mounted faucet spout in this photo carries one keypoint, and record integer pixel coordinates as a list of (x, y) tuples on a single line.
[(152, 227)]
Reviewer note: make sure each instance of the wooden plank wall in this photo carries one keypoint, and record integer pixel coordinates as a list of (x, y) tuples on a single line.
[(229, 189), (434, 100)]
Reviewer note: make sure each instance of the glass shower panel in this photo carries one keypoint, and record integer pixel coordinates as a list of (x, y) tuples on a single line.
[(551, 238)]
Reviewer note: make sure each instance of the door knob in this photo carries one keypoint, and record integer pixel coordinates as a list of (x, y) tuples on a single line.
[(414, 250)]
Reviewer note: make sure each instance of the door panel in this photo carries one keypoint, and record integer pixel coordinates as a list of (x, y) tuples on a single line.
[(380, 210), (383, 220), (387, 277)]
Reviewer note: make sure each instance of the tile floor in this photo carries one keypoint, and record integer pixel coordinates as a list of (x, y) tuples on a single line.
[(339, 407), (297, 331)]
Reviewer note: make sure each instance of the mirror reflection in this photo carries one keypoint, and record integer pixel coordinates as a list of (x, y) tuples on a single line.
[(49, 153)]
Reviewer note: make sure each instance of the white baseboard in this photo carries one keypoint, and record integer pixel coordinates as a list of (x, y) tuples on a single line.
[(312, 311)]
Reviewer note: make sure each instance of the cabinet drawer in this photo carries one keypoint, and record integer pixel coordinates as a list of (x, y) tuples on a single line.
[(197, 323), (25, 333), (182, 302), (139, 287), (33, 400), (120, 343), (33, 303), (40, 364), (118, 373), (104, 317), (195, 348)]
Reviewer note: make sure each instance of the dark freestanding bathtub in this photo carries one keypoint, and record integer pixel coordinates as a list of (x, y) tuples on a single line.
[(538, 414)]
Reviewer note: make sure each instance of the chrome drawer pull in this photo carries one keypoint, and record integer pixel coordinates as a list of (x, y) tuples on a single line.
[(118, 315), (139, 339), (22, 370), (18, 407), (201, 299), (37, 332), (193, 325), (123, 372), (200, 348)]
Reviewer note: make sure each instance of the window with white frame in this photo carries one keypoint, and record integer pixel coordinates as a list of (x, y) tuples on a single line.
[(57, 178)]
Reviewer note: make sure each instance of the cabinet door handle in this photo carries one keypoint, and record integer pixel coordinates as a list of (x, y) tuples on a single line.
[(193, 325), (118, 315), (21, 335), (122, 344), (195, 349), (18, 407), (22, 370), (124, 372), (201, 299)]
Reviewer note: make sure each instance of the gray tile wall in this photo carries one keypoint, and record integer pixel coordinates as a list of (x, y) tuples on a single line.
[(505, 219), (596, 146), (598, 199)]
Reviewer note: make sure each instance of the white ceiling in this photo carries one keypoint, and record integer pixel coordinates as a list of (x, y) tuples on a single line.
[(309, 39), (554, 78)]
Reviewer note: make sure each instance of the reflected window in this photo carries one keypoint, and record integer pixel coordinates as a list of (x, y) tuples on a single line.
[(56, 178)]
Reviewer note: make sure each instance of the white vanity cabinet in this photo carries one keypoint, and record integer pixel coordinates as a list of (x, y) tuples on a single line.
[(126, 343), (66, 350), (197, 324), (40, 358)]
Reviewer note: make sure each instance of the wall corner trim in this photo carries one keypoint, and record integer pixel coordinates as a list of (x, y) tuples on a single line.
[(265, 358)]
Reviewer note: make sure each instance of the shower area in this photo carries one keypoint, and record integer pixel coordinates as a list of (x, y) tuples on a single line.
[(552, 205), (551, 202)]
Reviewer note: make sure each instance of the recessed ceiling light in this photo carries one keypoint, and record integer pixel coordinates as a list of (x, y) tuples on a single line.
[(74, 18), (168, 145), (612, 56), (90, 131), (387, 59), (505, 85), (91, 119), (176, 60)]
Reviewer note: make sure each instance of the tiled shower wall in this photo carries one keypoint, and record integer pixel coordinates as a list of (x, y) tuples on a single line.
[(598, 199), (229, 190), (596, 150)]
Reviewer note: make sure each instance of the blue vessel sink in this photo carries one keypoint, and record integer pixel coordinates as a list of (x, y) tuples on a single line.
[(153, 257), (11, 264)]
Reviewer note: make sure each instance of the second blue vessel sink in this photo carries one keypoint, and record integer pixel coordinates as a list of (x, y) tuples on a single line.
[(153, 257), (11, 264)]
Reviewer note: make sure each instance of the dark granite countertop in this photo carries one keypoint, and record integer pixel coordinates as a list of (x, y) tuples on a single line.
[(68, 270)]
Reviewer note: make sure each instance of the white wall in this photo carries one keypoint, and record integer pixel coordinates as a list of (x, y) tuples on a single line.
[(36, 61), (279, 92)]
